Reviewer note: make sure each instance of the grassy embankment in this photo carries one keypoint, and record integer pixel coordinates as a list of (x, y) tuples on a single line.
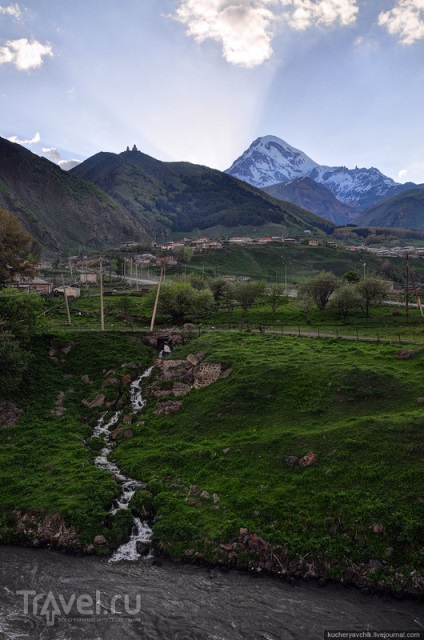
[(353, 404), (46, 461)]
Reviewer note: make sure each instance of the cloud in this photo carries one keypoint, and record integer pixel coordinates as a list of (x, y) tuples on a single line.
[(33, 140), (12, 10), (246, 28), (405, 20), (25, 54), (51, 153), (308, 13), (402, 174), (66, 165)]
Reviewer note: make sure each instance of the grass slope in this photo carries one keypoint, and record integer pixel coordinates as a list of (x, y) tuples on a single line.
[(354, 405), (46, 466)]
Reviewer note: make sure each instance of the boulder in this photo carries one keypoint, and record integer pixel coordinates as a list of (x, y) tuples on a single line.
[(9, 414), (291, 461), (98, 401), (99, 540), (216, 498), (205, 495), (167, 407), (226, 373), (193, 360), (143, 548), (405, 354), (86, 379), (377, 528), (110, 381), (128, 433), (180, 389), (307, 460)]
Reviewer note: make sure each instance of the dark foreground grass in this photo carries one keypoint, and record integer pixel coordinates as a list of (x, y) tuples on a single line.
[(354, 405), (46, 466)]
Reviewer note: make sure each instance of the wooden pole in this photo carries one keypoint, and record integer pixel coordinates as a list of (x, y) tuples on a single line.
[(65, 293), (407, 287), (152, 323), (102, 310)]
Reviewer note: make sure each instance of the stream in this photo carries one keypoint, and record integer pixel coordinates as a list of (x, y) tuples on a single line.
[(46, 595), (141, 530)]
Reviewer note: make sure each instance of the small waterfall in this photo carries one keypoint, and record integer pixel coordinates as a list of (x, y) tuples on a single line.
[(141, 531)]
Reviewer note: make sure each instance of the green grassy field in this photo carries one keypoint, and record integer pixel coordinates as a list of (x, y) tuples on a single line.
[(353, 404), (45, 462)]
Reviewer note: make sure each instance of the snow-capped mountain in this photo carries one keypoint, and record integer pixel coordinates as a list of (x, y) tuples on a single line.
[(270, 160)]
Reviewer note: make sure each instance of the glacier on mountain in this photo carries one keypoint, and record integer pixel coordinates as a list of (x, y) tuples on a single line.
[(270, 160)]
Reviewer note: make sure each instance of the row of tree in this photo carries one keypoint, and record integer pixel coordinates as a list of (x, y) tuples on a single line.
[(345, 294)]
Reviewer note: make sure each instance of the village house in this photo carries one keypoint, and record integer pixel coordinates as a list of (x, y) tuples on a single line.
[(38, 285), (168, 261), (243, 240), (89, 277)]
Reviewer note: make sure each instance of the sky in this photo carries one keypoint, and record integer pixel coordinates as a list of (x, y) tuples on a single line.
[(200, 80)]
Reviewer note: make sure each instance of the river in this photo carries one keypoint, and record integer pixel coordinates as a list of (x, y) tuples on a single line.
[(64, 597)]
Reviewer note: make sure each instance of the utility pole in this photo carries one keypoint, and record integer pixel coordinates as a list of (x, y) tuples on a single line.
[(152, 323), (407, 288), (65, 293), (102, 310)]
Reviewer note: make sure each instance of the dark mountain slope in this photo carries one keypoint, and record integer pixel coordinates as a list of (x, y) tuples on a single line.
[(403, 210), (58, 209), (180, 196), (310, 195)]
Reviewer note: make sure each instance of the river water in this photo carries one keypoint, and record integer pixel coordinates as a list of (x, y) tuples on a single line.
[(170, 601)]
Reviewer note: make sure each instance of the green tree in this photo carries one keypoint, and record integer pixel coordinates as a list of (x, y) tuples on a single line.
[(373, 290), (19, 252), (246, 293), (345, 299), (179, 299), (320, 288), (22, 314), (274, 296), (351, 276), (218, 286)]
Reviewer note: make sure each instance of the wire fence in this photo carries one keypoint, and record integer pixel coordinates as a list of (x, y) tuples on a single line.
[(196, 330)]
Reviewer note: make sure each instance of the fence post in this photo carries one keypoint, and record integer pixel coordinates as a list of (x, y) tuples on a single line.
[(298, 328)]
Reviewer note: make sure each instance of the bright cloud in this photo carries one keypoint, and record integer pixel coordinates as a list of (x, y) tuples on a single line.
[(245, 28), (25, 54), (405, 20), (33, 140), (51, 153), (12, 10), (307, 13)]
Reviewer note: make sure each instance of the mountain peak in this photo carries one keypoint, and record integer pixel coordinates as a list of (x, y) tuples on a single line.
[(270, 160)]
